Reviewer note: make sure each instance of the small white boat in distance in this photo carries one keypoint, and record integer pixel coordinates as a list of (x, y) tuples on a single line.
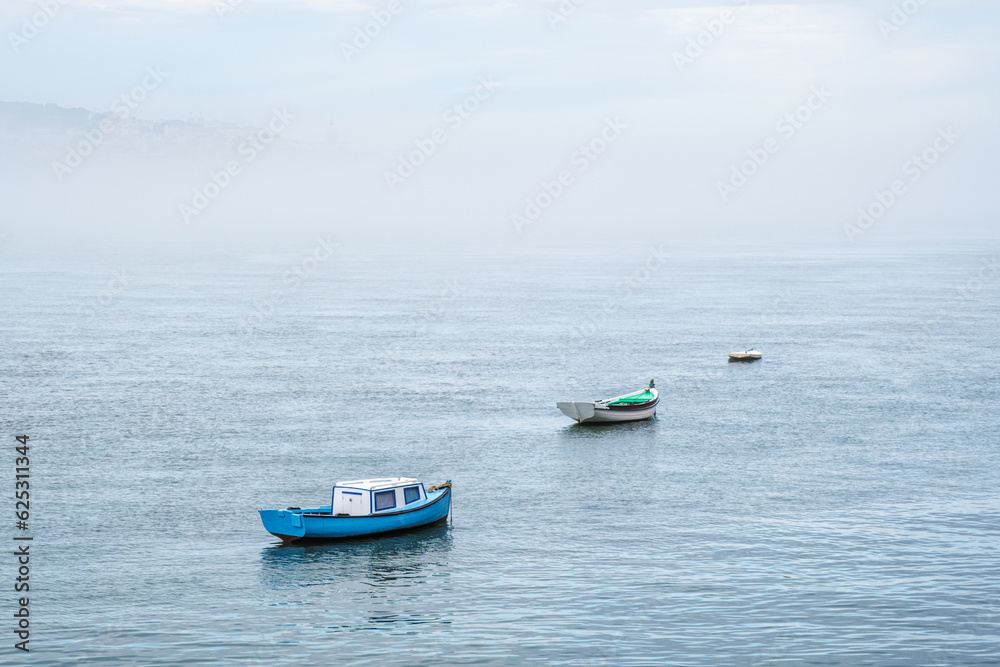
[(745, 355), (630, 407)]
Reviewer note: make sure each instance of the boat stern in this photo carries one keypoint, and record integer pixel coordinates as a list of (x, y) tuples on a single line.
[(286, 524)]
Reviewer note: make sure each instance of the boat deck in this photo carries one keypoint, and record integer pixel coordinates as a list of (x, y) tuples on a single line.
[(643, 396)]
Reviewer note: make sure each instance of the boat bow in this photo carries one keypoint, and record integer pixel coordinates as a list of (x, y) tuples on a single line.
[(577, 410)]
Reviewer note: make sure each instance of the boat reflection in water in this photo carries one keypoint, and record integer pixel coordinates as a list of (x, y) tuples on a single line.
[(351, 584), (587, 431)]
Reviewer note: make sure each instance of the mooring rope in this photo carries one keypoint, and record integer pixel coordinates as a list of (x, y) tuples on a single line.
[(451, 505), (446, 485)]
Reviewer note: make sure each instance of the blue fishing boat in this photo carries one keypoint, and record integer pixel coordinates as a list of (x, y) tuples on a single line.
[(361, 508)]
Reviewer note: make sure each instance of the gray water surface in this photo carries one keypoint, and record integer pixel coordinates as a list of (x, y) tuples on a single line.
[(833, 504)]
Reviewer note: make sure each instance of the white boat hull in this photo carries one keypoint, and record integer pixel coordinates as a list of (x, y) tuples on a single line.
[(588, 412)]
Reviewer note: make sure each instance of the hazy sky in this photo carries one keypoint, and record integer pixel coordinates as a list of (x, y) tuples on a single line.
[(873, 84)]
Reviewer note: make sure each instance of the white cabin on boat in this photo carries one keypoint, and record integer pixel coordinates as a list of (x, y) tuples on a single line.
[(368, 497)]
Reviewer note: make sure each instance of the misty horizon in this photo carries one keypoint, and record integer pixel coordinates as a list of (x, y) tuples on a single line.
[(481, 123)]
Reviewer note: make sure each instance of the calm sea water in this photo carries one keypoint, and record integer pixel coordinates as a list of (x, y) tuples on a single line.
[(834, 504)]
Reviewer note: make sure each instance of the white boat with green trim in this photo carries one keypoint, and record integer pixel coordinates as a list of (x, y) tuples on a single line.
[(630, 407)]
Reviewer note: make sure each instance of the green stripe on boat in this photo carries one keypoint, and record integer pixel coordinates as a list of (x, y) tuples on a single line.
[(638, 397)]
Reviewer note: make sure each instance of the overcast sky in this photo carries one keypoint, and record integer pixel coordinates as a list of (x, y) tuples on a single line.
[(873, 86)]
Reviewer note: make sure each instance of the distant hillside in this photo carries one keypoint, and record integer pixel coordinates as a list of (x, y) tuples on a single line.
[(50, 130), (50, 118)]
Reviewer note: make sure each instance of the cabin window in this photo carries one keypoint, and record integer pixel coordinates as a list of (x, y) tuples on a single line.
[(385, 500), (411, 494)]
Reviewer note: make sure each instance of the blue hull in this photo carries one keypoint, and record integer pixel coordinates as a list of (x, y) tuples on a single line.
[(319, 524)]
